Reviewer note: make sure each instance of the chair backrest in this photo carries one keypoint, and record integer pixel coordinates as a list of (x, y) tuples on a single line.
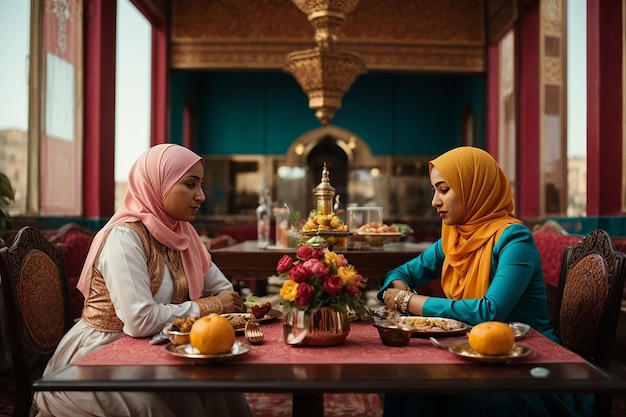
[(35, 291), (590, 293), (76, 241)]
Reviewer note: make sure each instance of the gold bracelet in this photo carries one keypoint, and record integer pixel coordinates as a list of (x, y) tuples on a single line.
[(404, 305), (396, 299), (210, 304)]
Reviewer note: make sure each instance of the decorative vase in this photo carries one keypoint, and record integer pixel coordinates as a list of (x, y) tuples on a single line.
[(325, 327)]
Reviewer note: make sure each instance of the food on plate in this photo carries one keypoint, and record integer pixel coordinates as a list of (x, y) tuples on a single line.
[(491, 338), (432, 323), (327, 222), (212, 335), (182, 325), (236, 320), (260, 310), (377, 228)]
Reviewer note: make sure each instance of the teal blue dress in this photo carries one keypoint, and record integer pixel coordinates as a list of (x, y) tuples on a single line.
[(516, 293)]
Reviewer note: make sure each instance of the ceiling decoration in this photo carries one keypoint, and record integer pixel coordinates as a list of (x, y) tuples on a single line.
[(325, 72)]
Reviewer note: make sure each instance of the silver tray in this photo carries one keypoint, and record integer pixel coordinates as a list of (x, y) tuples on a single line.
[(189, 352), (464, 350)]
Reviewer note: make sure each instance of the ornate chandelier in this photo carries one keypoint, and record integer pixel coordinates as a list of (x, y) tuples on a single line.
[(325, 72)]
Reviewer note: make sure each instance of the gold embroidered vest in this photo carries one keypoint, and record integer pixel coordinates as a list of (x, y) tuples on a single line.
[(99, 311)]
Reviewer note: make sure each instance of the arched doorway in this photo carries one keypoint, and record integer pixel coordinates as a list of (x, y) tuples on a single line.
[(339, 148), (328, 152)]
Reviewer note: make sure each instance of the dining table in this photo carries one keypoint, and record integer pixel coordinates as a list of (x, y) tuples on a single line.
[(245, 262), (361, 364)]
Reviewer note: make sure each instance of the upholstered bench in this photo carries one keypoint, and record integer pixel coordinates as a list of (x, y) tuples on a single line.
[(76, 241)]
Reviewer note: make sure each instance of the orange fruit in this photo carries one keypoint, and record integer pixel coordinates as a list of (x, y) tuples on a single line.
[(212, 334), (491, 338)]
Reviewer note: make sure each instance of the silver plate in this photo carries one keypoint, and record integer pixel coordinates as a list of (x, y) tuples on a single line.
[(189, 352), (519, 329), (464, 350)]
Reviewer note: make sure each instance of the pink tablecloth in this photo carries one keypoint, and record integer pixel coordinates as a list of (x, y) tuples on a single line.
[(363, 346)]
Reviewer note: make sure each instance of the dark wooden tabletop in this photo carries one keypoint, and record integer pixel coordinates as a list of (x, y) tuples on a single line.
[(246, 262), (131, 364), (307, 383)]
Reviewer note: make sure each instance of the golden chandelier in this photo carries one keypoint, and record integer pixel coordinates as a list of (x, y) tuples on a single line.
[(325, 72)]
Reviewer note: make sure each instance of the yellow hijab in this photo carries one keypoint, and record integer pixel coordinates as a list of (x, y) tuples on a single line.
[(482, 186)]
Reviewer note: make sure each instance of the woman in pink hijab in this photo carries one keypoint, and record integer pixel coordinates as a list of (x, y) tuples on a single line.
[(146, 267)]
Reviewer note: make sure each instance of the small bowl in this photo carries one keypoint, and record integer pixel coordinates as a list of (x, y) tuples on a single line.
[(392, 335), (177, 338)]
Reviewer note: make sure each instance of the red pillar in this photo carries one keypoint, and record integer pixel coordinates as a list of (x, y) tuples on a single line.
[(604, 107), (159, 119), (99, 113), (528, 122), (159, 85)]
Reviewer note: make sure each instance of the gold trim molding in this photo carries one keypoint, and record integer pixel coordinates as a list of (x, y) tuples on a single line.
[(404, 35), (403, 57)]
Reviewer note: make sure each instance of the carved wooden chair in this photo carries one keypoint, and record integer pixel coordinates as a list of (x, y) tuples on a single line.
[(34, 284), (590, 294)]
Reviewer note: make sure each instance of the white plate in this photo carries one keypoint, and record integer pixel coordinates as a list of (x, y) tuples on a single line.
[(189, 352), (464, 350)]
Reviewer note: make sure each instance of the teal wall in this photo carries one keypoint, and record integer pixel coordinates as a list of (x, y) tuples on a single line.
[(264, 112), (614, 225)]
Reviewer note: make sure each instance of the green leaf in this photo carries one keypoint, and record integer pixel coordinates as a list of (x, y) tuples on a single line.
[(7, 193)]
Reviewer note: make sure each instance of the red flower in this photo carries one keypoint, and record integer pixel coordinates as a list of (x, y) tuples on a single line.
[(304, 294), (307, 252), (353, 291), (333, 285), (319, 278), (299, 273), (284, 264)]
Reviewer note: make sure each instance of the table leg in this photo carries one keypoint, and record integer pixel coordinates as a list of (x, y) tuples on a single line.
[(308, 405)]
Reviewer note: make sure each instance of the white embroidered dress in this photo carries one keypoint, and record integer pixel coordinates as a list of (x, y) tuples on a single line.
[(122, 263)]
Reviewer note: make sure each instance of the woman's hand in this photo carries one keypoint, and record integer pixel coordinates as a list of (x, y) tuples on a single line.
[(231, 301), (390, 298), (400, 297)]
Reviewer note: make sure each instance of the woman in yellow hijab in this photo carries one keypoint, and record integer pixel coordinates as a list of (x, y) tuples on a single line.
[(490, 270)]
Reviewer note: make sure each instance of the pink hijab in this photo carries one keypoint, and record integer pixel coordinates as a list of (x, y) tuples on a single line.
[(150, 179)]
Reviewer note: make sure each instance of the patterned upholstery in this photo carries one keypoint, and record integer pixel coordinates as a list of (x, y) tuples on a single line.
[(34, 286), (586, 291), (34, 289)]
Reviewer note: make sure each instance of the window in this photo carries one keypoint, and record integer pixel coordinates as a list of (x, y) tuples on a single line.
[(15, 31), (132, 91), (577, 109)]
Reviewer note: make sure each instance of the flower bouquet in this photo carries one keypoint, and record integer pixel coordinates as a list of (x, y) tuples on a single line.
[(320, 289), (319, 278)]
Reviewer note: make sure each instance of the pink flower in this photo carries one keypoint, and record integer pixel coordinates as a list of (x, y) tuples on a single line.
[(284, 264), (306, 252), (316, 267), (304, 294), (333, 285), (299, 273)]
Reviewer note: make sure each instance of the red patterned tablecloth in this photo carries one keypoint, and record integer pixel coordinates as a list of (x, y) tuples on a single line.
[(363, 346)]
